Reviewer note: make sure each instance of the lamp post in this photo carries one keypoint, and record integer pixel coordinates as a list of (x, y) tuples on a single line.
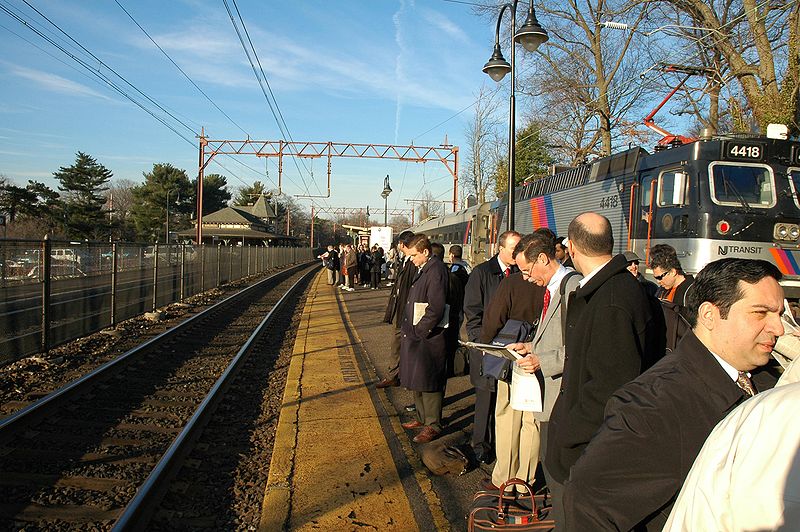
[(530, 35), (385, 195)]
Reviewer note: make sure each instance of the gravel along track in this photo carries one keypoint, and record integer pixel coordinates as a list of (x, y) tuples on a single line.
[(80, 466)]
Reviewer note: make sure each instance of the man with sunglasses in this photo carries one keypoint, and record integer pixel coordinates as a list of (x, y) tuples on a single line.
[(633, 266), (668, 272)]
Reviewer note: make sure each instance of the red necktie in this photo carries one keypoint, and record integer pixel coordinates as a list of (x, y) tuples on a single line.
[(546, 303), (507, 272)]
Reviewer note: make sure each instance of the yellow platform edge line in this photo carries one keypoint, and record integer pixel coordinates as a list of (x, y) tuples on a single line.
[(276, 505), (423, 480)]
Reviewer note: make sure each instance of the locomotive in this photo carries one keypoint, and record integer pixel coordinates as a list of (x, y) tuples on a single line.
[(718, 196)]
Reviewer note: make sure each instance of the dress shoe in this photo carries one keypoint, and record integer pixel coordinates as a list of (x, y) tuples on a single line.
[(427, 434), (385, 383), (411, 424)]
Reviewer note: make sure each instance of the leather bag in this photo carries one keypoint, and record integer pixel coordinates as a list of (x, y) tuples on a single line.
[(492, 510), (512, 332)]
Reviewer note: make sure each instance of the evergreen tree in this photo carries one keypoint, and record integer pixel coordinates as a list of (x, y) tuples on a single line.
[(83, 185), (248, 195), (164, 185), (532, 158), (215, 192)]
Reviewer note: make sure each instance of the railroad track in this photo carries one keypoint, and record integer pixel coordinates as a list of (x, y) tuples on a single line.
[(99, 453)]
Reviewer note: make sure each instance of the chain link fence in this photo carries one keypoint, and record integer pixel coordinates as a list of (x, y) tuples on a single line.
[(56, 291)]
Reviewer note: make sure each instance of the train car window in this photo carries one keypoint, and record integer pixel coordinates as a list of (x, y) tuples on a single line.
[(647, 183), (672, 188), (743, 185), (794, 184)]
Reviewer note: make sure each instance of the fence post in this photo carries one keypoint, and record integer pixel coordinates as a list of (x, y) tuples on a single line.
[(230, 264), (45, 268), (248, 259), (183, 272), (114, 284), (219, 263), (155, 275), (202, 267)]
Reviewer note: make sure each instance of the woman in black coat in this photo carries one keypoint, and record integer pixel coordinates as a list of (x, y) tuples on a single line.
[(423, 350), (375, 267)]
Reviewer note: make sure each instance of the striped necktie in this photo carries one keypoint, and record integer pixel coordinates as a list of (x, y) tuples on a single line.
[(743, 382)]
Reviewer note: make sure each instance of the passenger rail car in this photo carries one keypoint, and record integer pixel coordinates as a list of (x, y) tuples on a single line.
[(730, 196), (468, 228)]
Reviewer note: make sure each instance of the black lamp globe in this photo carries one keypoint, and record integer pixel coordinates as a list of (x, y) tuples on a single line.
[(531, 35), (497, 67)]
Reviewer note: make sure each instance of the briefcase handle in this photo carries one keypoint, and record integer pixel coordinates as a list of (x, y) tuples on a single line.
[(516, 482)]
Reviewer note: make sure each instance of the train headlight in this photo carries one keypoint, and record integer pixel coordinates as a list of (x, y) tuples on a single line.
[(723, 227), (784, 231)]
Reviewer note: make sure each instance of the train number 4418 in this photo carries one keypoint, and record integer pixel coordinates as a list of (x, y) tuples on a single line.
[(609, 202)]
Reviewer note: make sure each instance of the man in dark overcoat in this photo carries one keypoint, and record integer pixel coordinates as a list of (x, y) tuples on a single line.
[(395, 307), (612, 336), (631, 472), (423, 348), (482, 284)]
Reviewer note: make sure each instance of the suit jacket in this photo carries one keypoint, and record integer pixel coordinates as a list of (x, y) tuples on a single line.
[(548, 345), (423, 350), (399, 295), (482, 284), (613, 335), (631, 472)]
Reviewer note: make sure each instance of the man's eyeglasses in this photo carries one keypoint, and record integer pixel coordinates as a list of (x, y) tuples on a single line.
[(659, 277)]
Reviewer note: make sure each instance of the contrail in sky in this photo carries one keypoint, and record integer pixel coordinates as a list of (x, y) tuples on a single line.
[(398, 66)]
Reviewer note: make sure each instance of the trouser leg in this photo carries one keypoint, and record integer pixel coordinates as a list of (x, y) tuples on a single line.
[(529, 444), (483, 421), (431, 414), (507, 425), (330, 275), (394, 361), (555, 487)]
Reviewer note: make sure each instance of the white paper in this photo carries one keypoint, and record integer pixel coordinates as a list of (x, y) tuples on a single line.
[(419, 311), (526, 395)]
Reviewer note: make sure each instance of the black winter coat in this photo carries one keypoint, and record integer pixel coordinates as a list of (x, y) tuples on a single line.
[(423, 350), (399, 295), (613, 334), (655, 426)]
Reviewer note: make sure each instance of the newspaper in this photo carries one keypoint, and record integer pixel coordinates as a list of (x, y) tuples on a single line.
[(495, 350), (419, 311)]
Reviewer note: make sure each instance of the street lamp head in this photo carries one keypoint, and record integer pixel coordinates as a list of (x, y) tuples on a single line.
[(386, 188), (497, 67), (531, 35)]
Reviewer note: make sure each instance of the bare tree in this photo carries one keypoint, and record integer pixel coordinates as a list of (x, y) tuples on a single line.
[(429, 206), (759, 42), (481, 134)]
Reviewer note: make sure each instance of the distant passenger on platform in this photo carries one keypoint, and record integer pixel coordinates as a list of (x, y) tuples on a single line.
[(612, 336), (396, 306), (423, 350), (376, 261), (350, 267), (456, 259), (458, 277), (633, 266), (392, 257), (667, 270), (527, 431), (342, 276), (330, 260), (482, 284), (630, 474), (561, 252)]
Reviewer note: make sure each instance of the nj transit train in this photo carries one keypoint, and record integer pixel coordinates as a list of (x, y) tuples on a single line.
[(722, 196)]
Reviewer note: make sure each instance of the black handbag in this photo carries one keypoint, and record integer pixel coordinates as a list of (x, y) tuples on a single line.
[(512, 332)]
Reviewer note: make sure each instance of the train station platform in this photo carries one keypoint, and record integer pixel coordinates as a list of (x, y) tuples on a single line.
[(341, 459)]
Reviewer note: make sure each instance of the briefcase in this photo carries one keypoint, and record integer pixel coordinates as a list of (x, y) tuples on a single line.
[(493, 510)]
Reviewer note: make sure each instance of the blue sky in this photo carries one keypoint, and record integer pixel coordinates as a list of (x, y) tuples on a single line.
[(368, 71)]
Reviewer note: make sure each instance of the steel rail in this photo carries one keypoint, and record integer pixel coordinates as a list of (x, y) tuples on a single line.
[(139, 510), (39, 408)]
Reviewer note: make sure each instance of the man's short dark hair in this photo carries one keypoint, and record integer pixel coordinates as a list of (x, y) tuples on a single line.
[(592, 244), (665, 257), (521, 245), (437, 249), (718, 283), (405, 237), (456, 251), (420, 243), (542, 240), (501, 240)]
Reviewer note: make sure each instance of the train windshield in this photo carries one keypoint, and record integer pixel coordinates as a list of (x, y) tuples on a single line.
[(741, 184)]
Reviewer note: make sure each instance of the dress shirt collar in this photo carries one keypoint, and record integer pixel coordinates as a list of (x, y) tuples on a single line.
[(592, 274), (732, 372), (503, 267), (555, 280)]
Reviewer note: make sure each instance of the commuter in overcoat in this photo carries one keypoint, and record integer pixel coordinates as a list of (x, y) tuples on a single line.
[(423, 349)]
